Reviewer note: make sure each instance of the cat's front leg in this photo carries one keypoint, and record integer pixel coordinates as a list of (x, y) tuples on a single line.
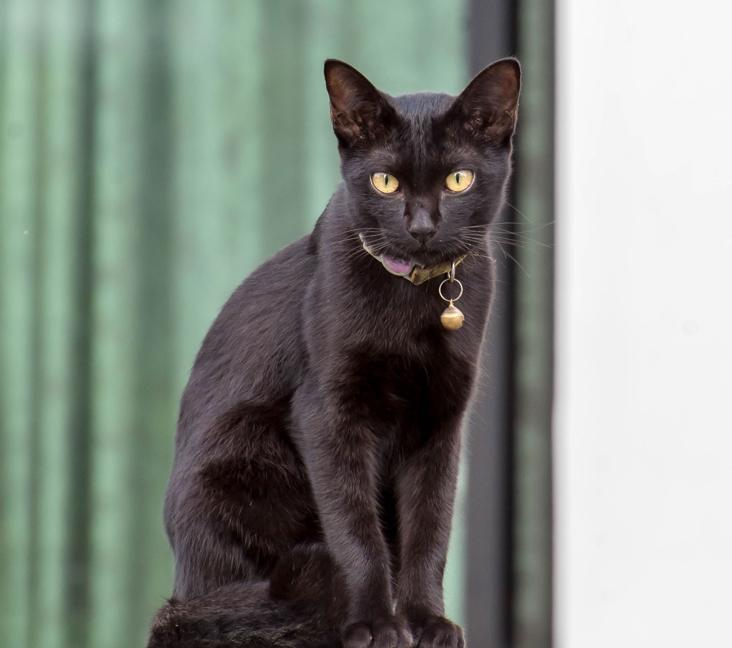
[(339, 451), (425, 495)]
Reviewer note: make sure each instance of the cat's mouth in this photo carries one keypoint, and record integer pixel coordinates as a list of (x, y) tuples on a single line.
[(400, 267), (395, 265)]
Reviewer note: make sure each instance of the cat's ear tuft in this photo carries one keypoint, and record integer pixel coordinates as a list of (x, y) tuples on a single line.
[(359, 112), (488, 107)]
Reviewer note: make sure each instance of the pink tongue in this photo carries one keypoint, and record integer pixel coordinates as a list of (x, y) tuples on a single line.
[(396, 266)]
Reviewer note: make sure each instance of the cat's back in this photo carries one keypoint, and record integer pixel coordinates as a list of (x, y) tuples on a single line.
[(253, 352)]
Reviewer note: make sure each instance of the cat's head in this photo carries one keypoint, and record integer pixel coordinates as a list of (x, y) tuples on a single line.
[(425, 173)]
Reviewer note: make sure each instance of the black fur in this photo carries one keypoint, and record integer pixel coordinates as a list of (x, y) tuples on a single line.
[(319, 434)]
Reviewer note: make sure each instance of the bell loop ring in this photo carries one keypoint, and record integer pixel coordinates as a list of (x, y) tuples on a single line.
[(451, 273), (453, 280)]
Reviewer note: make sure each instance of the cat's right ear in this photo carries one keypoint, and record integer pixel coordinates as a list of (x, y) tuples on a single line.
[(359, 112)]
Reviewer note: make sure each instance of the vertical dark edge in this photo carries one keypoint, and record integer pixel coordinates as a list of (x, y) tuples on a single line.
[(552, 318), (154, 388), (78, 528), (533, 521), (39, 37), (491, 35), (552, 198)]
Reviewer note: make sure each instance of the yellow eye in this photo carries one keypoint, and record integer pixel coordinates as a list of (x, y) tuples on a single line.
[(384, 183), (459, 181)]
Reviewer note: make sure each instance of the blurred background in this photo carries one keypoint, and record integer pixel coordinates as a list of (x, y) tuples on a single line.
[(153, 153)]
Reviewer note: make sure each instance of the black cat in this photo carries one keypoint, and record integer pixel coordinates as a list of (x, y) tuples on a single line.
[(317, 450)]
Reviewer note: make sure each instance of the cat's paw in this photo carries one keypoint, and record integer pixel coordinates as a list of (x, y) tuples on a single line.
[(439, 632), (392, 632)]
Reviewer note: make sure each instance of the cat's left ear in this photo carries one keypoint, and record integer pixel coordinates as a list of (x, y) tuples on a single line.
[(488, 107), (359, 112)]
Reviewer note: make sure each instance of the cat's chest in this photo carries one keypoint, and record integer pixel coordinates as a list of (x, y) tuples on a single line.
[(406, 391)]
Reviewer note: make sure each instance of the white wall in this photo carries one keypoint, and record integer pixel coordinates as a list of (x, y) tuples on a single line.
[(644, 377)]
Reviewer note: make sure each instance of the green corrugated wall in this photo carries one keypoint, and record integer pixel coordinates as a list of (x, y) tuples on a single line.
[(151, 155)]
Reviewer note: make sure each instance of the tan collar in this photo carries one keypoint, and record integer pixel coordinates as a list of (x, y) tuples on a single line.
[(419, 274)]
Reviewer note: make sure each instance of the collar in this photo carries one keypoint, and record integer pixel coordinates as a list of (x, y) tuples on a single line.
[(419, 274)]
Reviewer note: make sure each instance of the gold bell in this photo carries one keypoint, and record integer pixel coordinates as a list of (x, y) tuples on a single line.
[(452, 317)]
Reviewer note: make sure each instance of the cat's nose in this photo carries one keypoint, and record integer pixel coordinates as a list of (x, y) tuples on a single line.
[(421, 226)]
